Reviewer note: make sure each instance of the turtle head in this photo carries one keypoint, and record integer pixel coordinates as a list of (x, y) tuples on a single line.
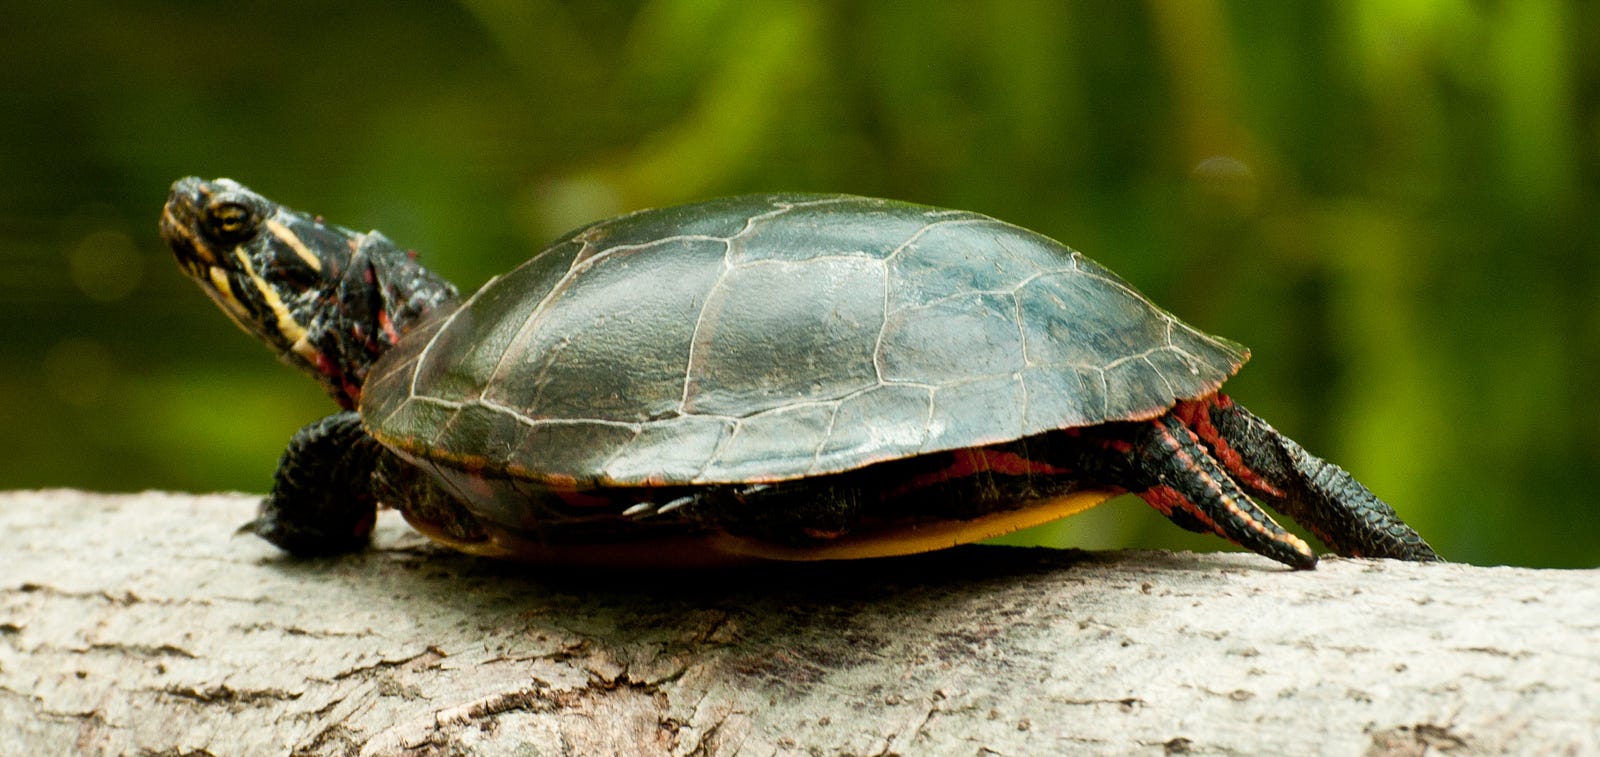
[(327, 299)]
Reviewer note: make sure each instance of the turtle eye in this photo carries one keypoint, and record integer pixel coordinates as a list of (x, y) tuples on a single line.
[(230, 221)]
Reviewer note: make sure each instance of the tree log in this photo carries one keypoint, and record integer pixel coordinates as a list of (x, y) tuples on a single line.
[(137, 624)]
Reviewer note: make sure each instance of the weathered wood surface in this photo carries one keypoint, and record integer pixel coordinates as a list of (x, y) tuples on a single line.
[(138, 624)]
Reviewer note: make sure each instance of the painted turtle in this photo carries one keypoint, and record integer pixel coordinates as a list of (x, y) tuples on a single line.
[(789, 376)]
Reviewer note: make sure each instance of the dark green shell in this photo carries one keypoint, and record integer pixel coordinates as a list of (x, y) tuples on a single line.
[(774, 337)]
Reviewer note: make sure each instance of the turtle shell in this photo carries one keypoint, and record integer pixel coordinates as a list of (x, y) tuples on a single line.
[(774, 337)]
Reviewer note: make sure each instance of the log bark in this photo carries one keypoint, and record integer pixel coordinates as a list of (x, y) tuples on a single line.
[(137, 624)]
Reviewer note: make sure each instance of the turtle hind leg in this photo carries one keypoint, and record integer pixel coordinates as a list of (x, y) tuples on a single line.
[(322, 501), (1165, 463), (1324, 498)]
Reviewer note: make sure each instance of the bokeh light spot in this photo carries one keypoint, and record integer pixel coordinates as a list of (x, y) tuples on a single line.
[(1225, 186), (106, 266)]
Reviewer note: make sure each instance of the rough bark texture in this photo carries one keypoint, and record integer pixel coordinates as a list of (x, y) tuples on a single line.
[(137, 624)]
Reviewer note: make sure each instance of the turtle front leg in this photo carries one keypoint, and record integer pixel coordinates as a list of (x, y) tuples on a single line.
[(1165, 463), (1314, 492), (322, 501)]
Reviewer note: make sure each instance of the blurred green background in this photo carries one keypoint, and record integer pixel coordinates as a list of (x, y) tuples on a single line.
[(1393, 202)]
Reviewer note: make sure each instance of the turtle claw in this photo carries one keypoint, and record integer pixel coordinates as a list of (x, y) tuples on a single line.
[(253, 528), (675, 504), (650, 509)]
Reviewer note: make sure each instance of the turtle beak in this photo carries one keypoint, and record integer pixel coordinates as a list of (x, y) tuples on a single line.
[(180, 224), (214, 269)]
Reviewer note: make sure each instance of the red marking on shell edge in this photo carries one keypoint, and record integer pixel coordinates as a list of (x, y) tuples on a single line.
[(560, 482), (1117, 445), (976, 460), (817, 533), (580, 500), (1006, 463), (1197, 416), (478, 484)]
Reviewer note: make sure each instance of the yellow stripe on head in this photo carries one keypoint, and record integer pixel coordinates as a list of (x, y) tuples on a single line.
[(290, 329), (221, 292), (293, 240)]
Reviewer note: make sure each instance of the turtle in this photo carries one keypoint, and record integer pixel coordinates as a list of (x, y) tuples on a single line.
[(782, 376)]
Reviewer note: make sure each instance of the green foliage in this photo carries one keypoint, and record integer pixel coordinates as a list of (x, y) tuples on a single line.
[(1393, 202)]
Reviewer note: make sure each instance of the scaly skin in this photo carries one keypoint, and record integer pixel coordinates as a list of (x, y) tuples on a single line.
[(1163, 461), (326, 299), (1196, 464), (322, 498), (1314, 492), (330, 301)]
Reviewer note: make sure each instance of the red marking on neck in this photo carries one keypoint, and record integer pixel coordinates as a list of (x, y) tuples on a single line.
[(387, 326), (325, 365), (349, 392), (352, 393)]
